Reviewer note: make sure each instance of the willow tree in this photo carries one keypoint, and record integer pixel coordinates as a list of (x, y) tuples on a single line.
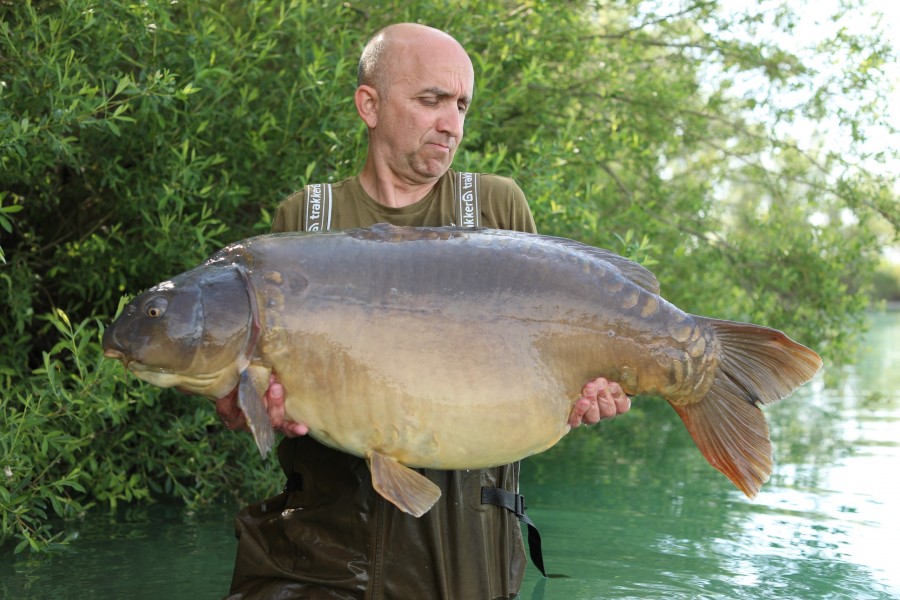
[(679, 134)]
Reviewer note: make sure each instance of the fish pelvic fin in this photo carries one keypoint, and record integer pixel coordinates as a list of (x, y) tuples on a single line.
[(405, 488), (254, 383), (757, 365)]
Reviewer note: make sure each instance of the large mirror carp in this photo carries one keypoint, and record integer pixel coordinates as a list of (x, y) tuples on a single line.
[(451, 348)]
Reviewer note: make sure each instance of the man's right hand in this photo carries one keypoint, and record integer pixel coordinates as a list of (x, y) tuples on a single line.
[(233, 417)]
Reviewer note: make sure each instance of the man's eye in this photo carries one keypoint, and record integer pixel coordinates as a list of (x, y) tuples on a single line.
[(429, 101)]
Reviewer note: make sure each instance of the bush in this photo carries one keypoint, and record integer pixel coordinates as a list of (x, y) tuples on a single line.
[(81, 433)]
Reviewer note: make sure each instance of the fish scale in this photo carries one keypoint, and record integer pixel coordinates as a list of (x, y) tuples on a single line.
[(414, 347)]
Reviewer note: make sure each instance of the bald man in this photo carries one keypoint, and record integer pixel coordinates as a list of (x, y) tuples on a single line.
[(329, 534)]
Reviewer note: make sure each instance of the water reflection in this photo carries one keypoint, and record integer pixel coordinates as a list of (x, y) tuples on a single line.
[(157, 551)]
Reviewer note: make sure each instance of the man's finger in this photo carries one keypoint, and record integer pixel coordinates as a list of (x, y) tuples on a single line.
[(292, 429), (275, 404), (576, 415), (620, 398), (230, 413)]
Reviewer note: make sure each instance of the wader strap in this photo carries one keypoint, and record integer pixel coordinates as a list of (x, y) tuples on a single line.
[(515, 503), (317, 210), (468, 212)]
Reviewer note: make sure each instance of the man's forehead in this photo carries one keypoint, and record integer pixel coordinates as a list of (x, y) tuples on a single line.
[(438, 63), (445, 76)]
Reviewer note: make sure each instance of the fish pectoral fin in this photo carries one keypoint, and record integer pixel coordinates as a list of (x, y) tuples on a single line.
[(407, 489), (254, 383)]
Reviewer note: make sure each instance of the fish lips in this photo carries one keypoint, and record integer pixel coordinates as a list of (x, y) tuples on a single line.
[(114, 353), (112, 348)]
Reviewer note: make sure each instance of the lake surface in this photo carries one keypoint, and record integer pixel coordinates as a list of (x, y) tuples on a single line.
[(627, 509)]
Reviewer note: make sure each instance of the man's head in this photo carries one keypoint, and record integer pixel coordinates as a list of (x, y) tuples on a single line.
[(415, 85)]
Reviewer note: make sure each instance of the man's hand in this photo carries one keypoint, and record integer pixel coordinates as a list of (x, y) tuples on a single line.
[(274, 399), (233, 417), (600, 400), (230, 413)]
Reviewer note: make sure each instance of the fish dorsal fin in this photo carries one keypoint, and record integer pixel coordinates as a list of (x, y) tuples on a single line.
[(632, 271), (408, 490), (637, 274)]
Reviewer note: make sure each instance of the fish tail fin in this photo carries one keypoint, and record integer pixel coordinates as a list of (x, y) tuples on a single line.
[(757, 365)]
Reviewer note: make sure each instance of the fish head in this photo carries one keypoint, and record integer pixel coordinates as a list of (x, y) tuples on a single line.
[(195, 331)]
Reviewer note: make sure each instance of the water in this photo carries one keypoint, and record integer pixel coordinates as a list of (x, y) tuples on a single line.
[(144, 552), (627, 509), (650, 519)]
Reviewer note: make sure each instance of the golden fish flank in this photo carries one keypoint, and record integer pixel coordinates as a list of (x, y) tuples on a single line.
[(414, 346)]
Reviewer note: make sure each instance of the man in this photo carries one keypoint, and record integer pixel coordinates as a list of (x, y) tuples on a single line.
[(330, 535)]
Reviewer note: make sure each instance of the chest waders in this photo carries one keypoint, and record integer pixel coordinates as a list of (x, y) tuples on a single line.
[(317, 217)]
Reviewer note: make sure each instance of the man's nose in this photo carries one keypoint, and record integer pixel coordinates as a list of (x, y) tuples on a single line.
[(451, 120)]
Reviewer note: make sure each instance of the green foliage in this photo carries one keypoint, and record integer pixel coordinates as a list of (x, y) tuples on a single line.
[(82, 433), (137, 137)]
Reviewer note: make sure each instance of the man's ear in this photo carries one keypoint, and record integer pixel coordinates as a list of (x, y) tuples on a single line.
[(367, 99)]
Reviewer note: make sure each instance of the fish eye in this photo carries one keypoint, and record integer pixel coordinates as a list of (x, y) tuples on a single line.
[(156, 308)]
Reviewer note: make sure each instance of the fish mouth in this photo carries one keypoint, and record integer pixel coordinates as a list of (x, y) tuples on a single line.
[(119, 356), (113, 353), (123, 358)]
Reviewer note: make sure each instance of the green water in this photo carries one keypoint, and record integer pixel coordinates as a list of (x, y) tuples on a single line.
[(627, 509)]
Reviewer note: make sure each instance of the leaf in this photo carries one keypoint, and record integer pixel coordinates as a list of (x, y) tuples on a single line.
[(64, 318), (123, 84)]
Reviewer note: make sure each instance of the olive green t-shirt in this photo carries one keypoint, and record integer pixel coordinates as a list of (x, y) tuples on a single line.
[(501, 202)]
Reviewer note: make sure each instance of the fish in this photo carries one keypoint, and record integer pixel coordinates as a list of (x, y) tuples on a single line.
[(451, 348)]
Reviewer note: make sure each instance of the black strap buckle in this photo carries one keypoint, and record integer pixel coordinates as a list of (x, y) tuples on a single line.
[(515, 503)]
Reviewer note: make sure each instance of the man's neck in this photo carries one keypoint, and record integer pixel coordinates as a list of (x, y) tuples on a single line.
[(389, 189)]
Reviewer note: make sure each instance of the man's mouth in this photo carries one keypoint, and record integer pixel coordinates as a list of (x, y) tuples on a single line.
[(445, 147)]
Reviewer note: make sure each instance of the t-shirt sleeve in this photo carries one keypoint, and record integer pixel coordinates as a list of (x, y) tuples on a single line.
[(504, 205), (521, 217), (289, 214)]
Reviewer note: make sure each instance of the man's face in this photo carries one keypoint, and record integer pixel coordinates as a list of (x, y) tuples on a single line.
[(422, 109)]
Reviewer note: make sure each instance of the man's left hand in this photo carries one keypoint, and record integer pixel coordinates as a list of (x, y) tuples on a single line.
[(600, 400)]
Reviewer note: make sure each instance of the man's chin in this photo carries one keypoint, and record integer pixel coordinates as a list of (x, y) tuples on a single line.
[(434, 168)]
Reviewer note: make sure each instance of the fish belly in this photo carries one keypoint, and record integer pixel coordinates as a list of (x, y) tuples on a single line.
[(430, 394)]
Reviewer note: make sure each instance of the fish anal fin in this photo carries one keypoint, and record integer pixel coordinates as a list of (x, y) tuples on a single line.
[(407, 489), (254, 383), (733, 436)]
